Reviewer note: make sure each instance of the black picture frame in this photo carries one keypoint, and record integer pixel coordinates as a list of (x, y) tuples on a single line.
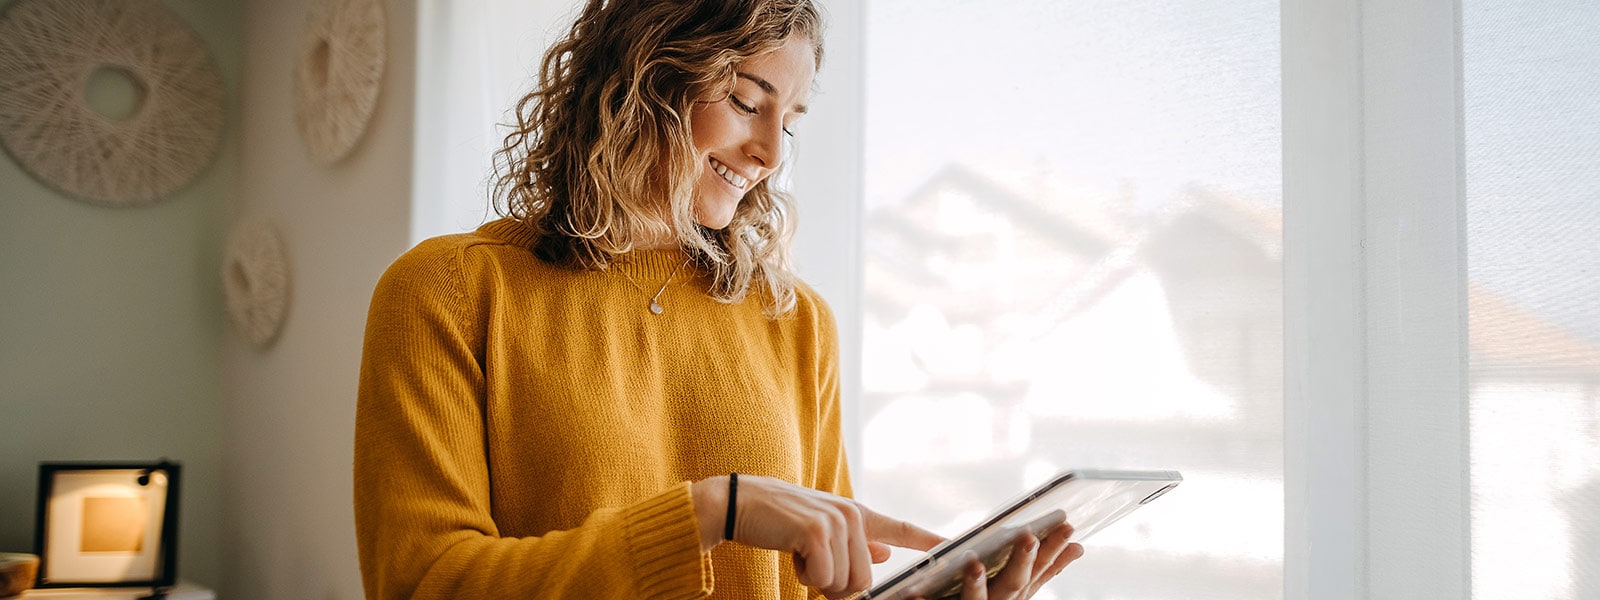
[(72, 500)]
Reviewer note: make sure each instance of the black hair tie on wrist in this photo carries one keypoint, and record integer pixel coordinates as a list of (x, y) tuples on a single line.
[(733, 498)]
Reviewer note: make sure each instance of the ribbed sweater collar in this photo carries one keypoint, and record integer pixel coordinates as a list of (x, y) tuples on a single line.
[(510, 230), (642, 265)]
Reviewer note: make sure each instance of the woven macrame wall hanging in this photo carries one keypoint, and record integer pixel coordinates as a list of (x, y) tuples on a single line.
[(57, 57), (255, 282), (337, 79)]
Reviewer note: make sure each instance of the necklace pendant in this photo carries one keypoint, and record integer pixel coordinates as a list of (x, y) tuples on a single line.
[(655, 307)]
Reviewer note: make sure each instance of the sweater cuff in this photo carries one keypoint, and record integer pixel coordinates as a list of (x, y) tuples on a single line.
[(663, 537)]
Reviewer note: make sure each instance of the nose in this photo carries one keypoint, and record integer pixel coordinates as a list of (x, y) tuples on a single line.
[(766, 143)]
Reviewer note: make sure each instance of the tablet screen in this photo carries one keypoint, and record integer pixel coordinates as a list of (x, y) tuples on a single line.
[(1089, 499)]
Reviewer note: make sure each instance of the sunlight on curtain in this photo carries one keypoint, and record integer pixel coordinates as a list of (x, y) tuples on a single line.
[(475, 60), (1531, 76), (1073, 258)]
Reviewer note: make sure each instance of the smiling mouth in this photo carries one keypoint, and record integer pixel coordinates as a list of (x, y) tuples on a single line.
[(727, 174)]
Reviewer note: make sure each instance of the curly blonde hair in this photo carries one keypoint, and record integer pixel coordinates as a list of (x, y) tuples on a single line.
[(605, 138)]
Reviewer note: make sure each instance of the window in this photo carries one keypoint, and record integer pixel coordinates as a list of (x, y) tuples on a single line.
[(1072, 258)]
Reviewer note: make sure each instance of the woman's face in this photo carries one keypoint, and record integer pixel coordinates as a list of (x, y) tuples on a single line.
[(739, 139)]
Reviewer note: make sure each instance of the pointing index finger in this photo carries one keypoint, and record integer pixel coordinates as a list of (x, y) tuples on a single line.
[(894, 532)]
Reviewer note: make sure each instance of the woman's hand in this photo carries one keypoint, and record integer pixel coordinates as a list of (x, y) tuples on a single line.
[(834, 540), (1032, 564)]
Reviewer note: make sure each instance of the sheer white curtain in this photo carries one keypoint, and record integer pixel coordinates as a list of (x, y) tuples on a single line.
[(1532, 120), (475, 59)]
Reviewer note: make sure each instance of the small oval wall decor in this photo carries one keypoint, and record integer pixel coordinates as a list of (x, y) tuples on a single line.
[(255, 281)]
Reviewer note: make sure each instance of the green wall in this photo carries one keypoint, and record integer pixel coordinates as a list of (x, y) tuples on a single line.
[(111, 326)]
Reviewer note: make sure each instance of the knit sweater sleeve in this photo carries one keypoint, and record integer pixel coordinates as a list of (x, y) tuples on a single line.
[(424, 523), (832, 468)]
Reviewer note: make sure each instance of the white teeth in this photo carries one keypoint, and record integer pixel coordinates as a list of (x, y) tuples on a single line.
[(728, 174)]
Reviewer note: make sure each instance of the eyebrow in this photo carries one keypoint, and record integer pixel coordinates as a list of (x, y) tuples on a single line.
[(768, 88)]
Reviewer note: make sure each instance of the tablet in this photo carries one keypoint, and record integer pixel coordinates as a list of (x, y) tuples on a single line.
[(1089, 499)]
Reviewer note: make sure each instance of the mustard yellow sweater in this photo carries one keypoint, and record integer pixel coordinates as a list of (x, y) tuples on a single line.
[(529, 431)]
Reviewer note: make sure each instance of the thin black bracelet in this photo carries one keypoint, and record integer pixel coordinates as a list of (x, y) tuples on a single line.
[(733, 498)]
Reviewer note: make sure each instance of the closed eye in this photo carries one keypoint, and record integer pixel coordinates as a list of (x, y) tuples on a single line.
[(752, 111)]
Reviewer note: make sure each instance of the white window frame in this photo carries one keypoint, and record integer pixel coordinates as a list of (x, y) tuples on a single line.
[(1375, 409)]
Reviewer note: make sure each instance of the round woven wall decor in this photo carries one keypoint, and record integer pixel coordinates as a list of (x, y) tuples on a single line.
[(255, 282), (51, 51), (337, 79)]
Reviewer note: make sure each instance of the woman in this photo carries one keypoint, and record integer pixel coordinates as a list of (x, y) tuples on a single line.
[(589, 396)]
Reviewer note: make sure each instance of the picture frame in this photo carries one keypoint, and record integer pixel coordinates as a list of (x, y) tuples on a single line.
[(107, 524)]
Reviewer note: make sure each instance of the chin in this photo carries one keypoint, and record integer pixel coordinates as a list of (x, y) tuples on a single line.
[(715, 214), (717, 223)]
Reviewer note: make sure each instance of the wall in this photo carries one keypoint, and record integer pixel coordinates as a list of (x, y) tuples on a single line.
[(291, 408), (111, 324)]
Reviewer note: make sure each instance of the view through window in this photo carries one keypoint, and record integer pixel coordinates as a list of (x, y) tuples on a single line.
[(1531, 75), (1073, 258)]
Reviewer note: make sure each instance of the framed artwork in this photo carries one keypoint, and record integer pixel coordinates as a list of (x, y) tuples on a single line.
[(107, 524)]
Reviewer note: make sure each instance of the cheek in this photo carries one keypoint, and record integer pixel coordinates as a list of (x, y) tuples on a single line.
[(711, 128)]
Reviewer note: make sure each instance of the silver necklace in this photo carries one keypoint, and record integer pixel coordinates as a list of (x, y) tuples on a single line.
[(655, 300)]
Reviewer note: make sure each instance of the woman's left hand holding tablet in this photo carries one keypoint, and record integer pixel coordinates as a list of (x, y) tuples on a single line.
[(834, 540), (1032, 564)]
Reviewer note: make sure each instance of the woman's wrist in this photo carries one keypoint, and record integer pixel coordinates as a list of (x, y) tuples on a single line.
[(710, 497)]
